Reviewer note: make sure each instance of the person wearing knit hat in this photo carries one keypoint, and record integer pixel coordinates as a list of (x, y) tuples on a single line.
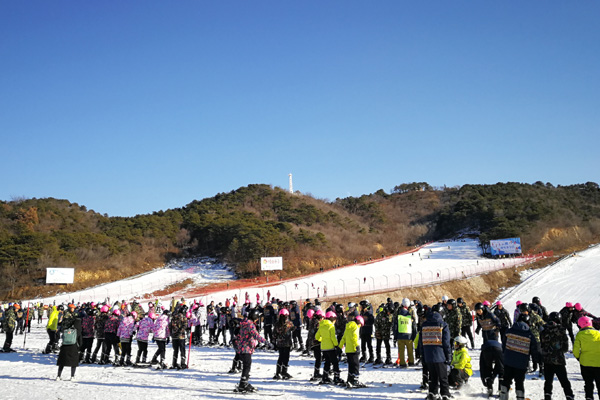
[(586, 350)]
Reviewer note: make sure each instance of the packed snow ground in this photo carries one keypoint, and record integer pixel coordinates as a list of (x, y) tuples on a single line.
[(30, 374)]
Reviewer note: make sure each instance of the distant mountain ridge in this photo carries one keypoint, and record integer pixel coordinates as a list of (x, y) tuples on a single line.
[(259, 220)]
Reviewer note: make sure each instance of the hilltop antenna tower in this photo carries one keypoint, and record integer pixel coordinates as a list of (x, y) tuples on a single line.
[(291, 186)]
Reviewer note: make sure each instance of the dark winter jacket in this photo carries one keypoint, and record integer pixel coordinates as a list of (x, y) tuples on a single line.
[(367, 330), (283, 334), (489, 324), (434, 340), (295, 316), (177, 326), (520, 343), (566, 314), (313, 326), (99, 325), (555, 344), (112, 324), (504, 317), (269, 315), (87, 326)]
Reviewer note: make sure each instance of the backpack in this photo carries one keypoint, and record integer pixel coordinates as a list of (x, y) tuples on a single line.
[(70, 336)]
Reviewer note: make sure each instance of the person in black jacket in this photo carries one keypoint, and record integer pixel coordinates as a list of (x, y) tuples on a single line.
[(366, 332), (68, 355), (434, 340), (486, 322), (520, 344), (269, 320), (504, 317)]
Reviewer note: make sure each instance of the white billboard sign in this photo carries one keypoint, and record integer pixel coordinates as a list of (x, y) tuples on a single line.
[(60, 275), (271, 263)]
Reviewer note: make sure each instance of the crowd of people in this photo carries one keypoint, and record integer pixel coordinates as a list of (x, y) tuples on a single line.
[(438, 337)]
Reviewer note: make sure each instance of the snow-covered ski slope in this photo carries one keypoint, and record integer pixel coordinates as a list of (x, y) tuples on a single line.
[(434, 263), (576, 279), (29, 374)]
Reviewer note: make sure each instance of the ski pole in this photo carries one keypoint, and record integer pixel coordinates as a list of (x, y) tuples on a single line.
[(189, 350)]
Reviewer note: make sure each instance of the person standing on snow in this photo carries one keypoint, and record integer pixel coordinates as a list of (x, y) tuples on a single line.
[(366, 332), (453, 319), (99, 325), (326, 335), (437, 353), (246, 342), (554, 345), (520, 344), (586, 350), (383, 330), (566, 317), (350, 342), (491, 365), (404, 326), (467, 320), (486, 322), (504, 317), (177, 329), (284, 329), (312, 344), (160, 333), (68, 355), (9, 325), (52, 328)]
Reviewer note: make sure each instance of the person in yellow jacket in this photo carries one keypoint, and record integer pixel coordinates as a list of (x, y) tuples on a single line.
[(461, 364), (350, 341), (586, 349), (52, 328), (326, 335)]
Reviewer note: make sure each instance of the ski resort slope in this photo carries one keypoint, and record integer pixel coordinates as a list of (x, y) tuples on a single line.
[(575, 279), (30, 374)]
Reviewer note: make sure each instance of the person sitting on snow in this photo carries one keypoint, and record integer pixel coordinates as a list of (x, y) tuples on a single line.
[(461, 364)]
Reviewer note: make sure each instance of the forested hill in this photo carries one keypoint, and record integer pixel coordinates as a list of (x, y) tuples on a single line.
[(258, 220)]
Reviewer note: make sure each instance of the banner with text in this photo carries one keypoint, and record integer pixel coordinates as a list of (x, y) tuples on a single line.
[(502, 247), (271, 263), (60, 275)]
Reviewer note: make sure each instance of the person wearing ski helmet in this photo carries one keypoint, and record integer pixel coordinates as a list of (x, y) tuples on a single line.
[(566, 317), (404, 327), (145, 328), (554, 345), (99, 325), (504, 317), (247, 340), (312, 344), (326, 335), (536, 325), (461, 364), (160, 334), (467, 320), (541, 310), (487, 323), (434, 339), (283, 336), (520, 344), (579, 312), (349, 342), (366, 332), (586, 350)]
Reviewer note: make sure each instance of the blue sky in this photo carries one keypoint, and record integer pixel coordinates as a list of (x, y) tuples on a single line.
[(130, 107)]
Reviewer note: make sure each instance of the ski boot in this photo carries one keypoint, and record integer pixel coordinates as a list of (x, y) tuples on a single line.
[(316, 375), (378, 361), (277, 372), (388, 361), (284, 373), (325, 379)]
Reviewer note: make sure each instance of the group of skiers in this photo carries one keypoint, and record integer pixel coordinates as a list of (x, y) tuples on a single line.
[(436, 336)]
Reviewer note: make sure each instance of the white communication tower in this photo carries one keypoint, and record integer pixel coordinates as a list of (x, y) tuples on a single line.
[(291, 186)]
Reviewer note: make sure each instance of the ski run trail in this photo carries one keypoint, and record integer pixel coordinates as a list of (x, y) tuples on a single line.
[(29, 374)]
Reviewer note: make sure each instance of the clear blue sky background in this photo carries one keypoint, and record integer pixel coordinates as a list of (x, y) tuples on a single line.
[(130, 107)]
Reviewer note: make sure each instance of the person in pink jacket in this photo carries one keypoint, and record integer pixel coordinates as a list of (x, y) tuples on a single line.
[(125, 333), (145, 328), (161, 334)]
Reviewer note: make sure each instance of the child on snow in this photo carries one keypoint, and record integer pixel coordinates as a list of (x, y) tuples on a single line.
[(461, 364), (350, 342)]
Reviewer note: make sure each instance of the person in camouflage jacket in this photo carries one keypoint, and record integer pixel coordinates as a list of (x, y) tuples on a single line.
[(554, 345), (467, 320), (177, 327), (383, 331), (9, 324), (453, 319), (99, 324)]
